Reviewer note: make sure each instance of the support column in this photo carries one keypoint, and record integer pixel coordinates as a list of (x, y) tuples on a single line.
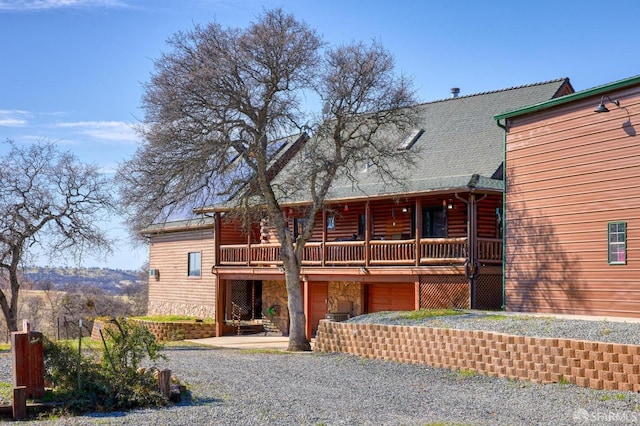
[(324, 238), (418, 228), (307, 310), (219, 306), (367, 233), (216, 238)]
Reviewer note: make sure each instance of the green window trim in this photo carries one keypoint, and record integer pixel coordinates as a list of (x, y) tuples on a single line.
[(617, 243)]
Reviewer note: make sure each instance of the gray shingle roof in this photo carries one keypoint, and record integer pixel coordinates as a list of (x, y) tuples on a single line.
[(196, 223), (461, 147), (461, 142)]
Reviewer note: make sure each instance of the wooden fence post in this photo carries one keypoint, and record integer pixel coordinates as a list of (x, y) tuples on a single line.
[(164, 382), (20, 402)]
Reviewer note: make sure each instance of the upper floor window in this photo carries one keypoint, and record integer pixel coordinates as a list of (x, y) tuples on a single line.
[(617, 243), (193, 269)]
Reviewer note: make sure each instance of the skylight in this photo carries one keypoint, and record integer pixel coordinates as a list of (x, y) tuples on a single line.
[(410, 139)]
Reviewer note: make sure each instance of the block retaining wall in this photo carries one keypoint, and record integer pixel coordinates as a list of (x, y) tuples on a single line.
[(596, 365), (167, 331)]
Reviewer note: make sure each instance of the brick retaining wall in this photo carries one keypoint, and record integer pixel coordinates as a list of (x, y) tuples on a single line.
[(597, 365), (167, 331)]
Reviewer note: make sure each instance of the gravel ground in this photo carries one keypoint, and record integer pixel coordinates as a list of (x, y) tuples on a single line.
[(233, 387), (606, 330)]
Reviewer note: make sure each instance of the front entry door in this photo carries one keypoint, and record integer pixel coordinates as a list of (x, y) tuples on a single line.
[(318, 293)]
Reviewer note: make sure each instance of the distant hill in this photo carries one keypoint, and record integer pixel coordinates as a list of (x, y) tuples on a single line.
[(111, 280)]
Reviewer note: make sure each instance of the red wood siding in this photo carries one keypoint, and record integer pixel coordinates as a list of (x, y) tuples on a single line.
[(168, 253), (569, 172)]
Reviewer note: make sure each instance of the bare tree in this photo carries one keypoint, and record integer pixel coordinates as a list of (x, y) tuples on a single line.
[(50, 201), (218, 107)]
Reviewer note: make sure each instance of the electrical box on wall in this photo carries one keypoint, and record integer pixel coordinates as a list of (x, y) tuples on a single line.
[(154, 273)]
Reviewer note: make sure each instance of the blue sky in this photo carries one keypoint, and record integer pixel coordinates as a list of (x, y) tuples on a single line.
[(71, 71)]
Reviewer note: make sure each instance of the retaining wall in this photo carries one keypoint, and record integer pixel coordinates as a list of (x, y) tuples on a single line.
[(167, 331), (543, 360)]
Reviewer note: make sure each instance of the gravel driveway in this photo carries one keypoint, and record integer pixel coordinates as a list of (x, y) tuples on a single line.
[(233, 387)]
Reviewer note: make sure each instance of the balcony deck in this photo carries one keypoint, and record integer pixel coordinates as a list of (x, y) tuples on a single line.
[(430, 251)]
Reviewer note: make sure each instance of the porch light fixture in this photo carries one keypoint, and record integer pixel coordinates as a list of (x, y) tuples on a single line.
[(290, 211), (346, 207), (602, 107), (281, 268), (364, 270)]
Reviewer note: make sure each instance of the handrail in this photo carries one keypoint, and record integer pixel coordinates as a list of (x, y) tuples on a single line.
[(381, 252)]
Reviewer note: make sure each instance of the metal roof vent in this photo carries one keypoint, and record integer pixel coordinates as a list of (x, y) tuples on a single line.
[(455, 91)]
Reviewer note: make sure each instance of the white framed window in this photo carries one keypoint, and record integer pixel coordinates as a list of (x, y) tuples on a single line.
[(617, 235), (193, 267)]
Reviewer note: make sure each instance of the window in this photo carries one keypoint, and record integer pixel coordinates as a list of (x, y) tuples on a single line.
[(617, 243), (434, 223), (331, 222), (194, 264)]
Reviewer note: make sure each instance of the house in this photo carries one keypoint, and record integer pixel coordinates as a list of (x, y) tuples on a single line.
[(572, 227), (433, 242)]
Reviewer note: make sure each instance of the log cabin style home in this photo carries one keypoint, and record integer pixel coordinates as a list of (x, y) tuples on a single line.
[(433, 242), (572, 207)]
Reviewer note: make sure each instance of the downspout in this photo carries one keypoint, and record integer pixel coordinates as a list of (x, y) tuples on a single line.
[(504, 211), (472, 267), (469, 261)]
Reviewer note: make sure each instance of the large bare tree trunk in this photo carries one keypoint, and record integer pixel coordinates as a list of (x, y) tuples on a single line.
[(10, 308), (297, 321)]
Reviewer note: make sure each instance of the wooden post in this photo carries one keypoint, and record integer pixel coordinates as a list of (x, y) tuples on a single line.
[(367, 233), (417, 214), (164, 382), (324, 238), (216, 238), (28, 361), (20, 402)]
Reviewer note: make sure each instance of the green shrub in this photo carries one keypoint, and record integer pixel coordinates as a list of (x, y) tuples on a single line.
[(110, 379)]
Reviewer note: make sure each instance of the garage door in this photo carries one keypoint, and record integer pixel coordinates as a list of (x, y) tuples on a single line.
[(390, 297)]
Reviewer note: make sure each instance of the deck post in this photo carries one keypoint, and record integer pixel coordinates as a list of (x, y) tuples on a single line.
[(418, 228), (216, 239), (219, 313), (249, 248), (472, 248), (367, 233), (323, 261)]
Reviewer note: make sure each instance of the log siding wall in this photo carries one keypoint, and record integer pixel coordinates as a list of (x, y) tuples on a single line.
[(569, 173)]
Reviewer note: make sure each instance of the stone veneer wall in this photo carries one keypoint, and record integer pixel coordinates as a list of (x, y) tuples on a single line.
[(543, 360), (274, 293), (339, 291), (186, 309), (168, 331)]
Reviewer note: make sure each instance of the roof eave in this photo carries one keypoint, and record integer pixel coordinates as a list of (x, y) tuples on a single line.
[(570, 98), (440, 191)]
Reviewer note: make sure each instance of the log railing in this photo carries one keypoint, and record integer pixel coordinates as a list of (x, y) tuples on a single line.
[(490, 250), (432, 251)]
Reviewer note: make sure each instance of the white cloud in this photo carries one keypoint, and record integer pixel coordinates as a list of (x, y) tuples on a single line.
[(34, 5), (13, 118), (105, 130)]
